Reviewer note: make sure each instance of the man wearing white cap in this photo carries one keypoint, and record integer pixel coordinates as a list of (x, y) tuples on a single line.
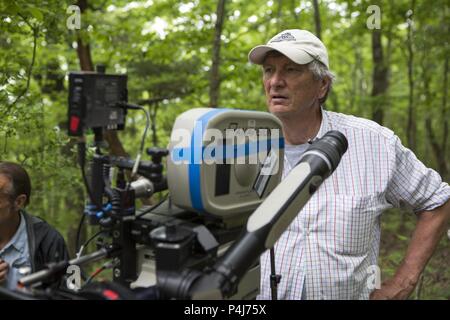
[(330, 250)]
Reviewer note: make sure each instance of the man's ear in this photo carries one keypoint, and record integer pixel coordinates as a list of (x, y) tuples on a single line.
[(323, 88), (20, 202)]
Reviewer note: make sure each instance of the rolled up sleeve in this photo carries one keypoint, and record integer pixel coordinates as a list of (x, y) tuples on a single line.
[(411, 184)]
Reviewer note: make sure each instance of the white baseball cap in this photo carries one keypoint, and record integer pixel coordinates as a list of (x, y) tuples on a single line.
[(300, 46)]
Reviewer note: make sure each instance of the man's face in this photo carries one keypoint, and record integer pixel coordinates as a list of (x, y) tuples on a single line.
[(6, 199), (290, 88)]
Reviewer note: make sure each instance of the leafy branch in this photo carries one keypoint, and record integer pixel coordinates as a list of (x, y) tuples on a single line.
[(35, 30)]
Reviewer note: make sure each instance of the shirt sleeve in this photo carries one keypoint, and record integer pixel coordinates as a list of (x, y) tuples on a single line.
[(411, 184)]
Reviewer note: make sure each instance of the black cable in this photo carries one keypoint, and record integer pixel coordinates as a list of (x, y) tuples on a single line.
[(81, 147), (127, 105), (147, 126), (107, 265), (93, 237), (83, 275), (92, 276), (77, 241), (83, 215), (152, 207), (81, 161)]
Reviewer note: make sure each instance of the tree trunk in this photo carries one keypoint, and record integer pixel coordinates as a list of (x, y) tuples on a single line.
[(356, 81), (317, 19), (214, 88), (294, 14), (444, 170), (439, 150), (279, 15), (153, 111), (83, 50), (86, 64), (412, 126), (332, 96), (379, 77)]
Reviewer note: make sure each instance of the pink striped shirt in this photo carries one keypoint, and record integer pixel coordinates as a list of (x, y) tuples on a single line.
[(327, 251)]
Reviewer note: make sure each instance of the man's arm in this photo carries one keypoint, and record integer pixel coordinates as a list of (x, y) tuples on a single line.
[(429, 229)]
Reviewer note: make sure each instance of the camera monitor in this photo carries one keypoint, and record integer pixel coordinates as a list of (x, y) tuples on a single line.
[(94, 101)]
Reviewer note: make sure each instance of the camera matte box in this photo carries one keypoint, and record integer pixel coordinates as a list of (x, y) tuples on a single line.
[(209, 170)]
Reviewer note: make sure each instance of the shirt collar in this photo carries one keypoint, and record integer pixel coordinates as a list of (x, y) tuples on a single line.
[(18, 241), (324, 125)]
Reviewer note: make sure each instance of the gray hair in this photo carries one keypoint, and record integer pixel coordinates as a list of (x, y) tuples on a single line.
[(320, 71)]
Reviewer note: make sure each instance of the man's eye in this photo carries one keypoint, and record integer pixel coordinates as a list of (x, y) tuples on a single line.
[(267, 70)]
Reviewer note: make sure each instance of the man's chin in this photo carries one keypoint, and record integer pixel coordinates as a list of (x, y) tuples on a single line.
[(280, 110)]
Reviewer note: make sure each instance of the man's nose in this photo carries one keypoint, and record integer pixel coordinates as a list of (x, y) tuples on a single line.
[(277, 79)]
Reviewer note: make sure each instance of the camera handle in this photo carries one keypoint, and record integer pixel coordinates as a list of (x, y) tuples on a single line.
[(53, 270)]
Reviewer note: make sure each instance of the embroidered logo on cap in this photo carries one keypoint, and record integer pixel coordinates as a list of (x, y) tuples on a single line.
[(287, 36)]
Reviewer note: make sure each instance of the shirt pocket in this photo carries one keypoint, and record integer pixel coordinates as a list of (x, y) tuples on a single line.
[(355, 218)]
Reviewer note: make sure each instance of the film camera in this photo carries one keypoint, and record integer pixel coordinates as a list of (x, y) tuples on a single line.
[(225, 203)]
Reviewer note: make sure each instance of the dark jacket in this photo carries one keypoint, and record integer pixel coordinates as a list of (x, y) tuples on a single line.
[(44, 242)]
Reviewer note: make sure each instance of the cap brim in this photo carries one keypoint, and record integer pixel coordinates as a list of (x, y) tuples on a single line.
[(258, 53)]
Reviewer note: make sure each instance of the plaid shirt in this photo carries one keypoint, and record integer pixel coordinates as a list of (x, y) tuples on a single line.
[(328, 250)]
